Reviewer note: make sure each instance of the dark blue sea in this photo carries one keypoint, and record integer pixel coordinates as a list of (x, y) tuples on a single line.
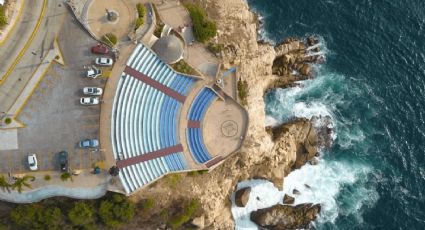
[(372, 85)]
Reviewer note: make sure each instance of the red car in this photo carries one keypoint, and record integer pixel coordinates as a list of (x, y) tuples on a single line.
[(100, 49)]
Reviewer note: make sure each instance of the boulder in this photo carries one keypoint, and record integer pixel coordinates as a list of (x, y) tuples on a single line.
[(313, 161), (199, 222), (296, 192), (287, 199), (242, 196), (286, 217)]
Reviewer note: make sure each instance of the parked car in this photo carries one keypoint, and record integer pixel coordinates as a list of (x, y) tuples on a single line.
[(93, 73), (92, 91), (89, 100), (32, 162), (63, 161), (104, 61), (89, 143), (100, 49)]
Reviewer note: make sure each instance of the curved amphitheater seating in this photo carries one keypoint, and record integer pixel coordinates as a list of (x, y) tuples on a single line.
[(194, 135), (145, 120)]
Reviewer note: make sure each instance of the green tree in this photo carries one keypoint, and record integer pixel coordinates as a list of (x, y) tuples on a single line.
[(4, 185), (24, 215), (81, 214), (21, 182), (116, 211), (51, 218)]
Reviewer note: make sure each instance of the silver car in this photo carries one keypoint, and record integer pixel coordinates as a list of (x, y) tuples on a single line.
[(104, 61), (32, 162), (93, 73), (89, 100), (92, 91), (89, 143)]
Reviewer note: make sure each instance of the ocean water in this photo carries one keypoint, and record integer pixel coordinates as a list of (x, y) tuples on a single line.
[(372, 86)]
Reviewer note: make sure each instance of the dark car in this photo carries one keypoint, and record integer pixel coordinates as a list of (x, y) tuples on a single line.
[(63, 161), (100, 49)]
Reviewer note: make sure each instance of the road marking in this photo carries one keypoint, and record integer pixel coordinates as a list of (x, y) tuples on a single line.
[(27, 44)]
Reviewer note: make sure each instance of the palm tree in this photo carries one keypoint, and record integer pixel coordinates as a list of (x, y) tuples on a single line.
[(20, 182), (4, 185)]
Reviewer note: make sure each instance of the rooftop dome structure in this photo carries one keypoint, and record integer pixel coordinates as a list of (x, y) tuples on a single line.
[(169, 49)]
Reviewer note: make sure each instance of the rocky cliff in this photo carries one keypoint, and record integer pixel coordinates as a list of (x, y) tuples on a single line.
[(267, 153)]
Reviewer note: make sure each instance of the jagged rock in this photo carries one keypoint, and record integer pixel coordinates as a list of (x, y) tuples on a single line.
[(199, 222), (287, 199), (242, 196), (286, 217), (307, 186), (305, 70), (296, 192), (311, 41)]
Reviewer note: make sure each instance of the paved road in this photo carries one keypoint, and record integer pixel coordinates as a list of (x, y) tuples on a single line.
[(54, 119), (42, 42)]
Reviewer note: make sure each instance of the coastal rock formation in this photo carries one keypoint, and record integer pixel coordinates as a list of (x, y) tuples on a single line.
[(286, 217), (267, 153), (242, 196), (287, 199)]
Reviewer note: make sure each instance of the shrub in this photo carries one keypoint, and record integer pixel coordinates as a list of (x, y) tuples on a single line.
[(186, 215), (243, 91), (141, 10), (147, 204), (47, 177), (182, 67), (110, 39), (81, 214), (196, 173), (203, 28), (215, 48), (66, 176), (138, 23), (158, 30), (3, 19), (8, 120)]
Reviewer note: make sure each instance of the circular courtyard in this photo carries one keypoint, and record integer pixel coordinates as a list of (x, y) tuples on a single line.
[(117, 18)]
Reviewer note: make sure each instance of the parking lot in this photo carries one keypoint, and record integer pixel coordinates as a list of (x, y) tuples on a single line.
[(53, 116)]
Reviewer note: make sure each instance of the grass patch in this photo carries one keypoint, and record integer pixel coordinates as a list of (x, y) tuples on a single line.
[(3, 19), (182, 67), (243, 91), (173, 180), (203, 28), (215, 48), (110, 39)]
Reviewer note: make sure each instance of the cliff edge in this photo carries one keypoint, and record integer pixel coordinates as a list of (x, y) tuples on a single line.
[(267, 153)]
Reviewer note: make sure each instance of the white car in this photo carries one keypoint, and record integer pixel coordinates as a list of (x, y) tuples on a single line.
[(92, 91), (93, 73), (89, 100), (32, 162), (104, 61)]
